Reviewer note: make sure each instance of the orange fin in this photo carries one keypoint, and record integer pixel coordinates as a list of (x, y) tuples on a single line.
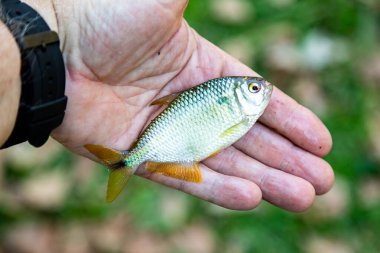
[(188, 172), (165, 100), (235, 128), (106, 155), (117, 181), (119, 173)]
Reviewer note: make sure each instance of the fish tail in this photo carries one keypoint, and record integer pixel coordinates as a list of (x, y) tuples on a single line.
[(119, 171)]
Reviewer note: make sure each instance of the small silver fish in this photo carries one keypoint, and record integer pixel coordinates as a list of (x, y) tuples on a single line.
[(196, 124)]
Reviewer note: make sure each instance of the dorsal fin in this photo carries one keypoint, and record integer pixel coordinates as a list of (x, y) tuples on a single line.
[(165, 100)]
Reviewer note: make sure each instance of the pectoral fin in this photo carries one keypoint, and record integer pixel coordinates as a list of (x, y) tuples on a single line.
[(235, 128), (188, 172), (165, 100), (215, 153)]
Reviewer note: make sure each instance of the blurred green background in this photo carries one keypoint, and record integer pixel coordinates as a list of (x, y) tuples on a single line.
[(325, 54)]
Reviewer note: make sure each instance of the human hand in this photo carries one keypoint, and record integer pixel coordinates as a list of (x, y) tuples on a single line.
[(121, 55)]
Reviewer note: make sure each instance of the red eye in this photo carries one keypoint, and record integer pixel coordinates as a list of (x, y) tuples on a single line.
[(254, 87)]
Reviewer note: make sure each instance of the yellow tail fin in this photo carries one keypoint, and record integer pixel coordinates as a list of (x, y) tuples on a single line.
[(119, 173)]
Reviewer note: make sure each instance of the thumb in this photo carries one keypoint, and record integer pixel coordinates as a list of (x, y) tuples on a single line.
[(176, 6)]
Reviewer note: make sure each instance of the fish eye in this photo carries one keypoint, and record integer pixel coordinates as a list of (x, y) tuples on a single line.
[(254, 87)]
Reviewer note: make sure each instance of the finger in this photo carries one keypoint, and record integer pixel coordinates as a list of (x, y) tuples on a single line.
[(226, 191), (297, 123), (278, 152), (279, 188)]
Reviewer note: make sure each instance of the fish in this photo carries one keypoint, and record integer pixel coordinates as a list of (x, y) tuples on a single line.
[(196, 124)]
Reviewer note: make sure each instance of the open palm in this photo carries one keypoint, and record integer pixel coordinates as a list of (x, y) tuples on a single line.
[(121, 55)]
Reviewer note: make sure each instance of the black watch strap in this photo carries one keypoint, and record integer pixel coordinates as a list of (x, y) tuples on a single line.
[(42, 102)]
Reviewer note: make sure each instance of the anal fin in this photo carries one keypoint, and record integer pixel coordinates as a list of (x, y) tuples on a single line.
[(184, 171)]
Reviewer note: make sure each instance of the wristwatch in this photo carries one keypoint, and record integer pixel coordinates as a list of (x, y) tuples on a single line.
[(43, 101)]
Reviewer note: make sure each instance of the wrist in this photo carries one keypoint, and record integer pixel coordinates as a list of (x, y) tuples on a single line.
[(42, 104), (46, 10), (10, 84)]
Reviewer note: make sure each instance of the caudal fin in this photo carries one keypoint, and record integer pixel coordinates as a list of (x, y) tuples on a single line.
[(119, 173)]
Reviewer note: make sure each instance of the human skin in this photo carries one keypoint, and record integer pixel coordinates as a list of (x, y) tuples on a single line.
[(9, 82), (122, 55)]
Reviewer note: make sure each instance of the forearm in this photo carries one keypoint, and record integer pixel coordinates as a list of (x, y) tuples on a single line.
[(10, 64)]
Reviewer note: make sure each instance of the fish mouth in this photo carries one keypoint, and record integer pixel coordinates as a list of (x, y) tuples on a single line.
[(268, 89)]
